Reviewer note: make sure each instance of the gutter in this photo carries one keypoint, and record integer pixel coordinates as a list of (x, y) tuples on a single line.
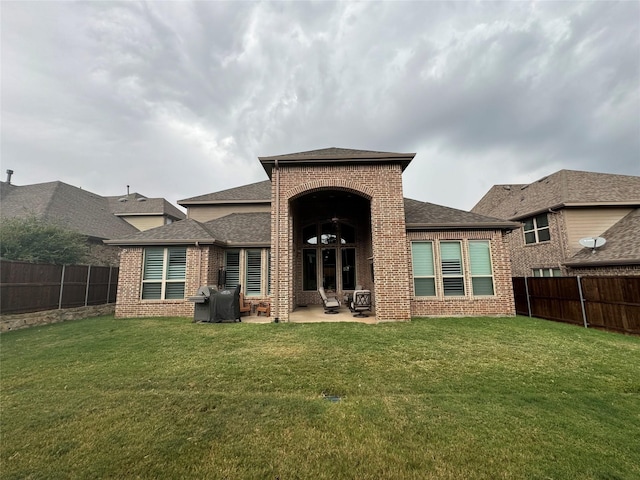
[(630, 204), (464, 226), (226, 202), (602, 263), (164, 241), (197, 242)]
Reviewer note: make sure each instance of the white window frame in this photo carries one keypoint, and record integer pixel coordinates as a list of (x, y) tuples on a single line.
[(472, 275), (536, 229), (551, 271), (163, 281), (247, 254), (461, 275), (243, 270), (433, 268)]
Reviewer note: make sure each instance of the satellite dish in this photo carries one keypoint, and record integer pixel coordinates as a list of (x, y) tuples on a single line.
[(592, 242)]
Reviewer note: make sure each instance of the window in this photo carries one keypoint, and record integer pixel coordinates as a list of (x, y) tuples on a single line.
[(348, 268), (547, 272), (250, 268), (452, 273), (329, 256), (536, 229), (424, 282), (253, 277), (480, 266), (232, 267), (309, 269), (164, 273)]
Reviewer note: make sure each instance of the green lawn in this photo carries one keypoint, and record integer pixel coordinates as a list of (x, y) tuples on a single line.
[(434, 398)]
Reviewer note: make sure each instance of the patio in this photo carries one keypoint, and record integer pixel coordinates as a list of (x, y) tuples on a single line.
[(315, 314)]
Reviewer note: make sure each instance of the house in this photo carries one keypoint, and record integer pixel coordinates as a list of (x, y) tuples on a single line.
[(333, 218), (99, 218), (142, 212), (560, 209)]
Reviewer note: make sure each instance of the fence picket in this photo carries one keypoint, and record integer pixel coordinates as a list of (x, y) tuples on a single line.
[(30, 287), (611, 303)]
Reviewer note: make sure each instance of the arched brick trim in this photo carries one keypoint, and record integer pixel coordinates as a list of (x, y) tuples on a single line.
[(334, 184)]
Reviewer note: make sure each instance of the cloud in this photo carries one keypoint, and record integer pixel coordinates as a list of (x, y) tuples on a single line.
[(179, 98)]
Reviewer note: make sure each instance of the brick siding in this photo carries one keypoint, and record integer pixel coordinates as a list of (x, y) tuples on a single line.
[(500, 304), (551, 254), (382, 186)]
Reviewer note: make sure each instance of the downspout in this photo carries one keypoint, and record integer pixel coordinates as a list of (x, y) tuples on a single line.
[(200, 264), (276, 258)]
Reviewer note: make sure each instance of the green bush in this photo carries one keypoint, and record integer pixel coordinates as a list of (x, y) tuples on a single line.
[(33, 240)]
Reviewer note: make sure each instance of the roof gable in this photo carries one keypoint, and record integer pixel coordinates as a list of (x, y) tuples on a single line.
[(561, 189), (336, 156), (136, 204), (259, 192)]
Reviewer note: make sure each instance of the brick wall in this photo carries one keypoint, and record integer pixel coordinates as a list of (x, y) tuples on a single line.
[(201, 269), (502, 303), (549, 254), (382, 185)]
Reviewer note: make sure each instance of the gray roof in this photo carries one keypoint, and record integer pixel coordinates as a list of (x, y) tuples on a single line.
[(561, 189), (429, 216), (333, 155), (236, 229), (136, 204), (622, 246), (259, 192), (64, 205)]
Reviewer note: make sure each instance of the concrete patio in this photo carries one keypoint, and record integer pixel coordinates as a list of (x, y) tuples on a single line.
[(315, 314)]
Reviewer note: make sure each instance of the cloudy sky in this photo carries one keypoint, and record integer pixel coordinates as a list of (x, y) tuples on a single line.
[(179, 99)]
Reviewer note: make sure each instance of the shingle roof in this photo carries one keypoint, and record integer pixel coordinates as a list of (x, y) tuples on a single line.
[(622, 245), (136, 204), (232, 230), (338, 153), (243, 228), (65, 205), (255, 228), (333, 155), (254, 192), (425, 215), (563, 188)]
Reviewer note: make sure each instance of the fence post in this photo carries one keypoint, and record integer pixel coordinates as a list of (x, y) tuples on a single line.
[(61, 288), (109, 286), (86, 292), (526, 289), (584, 313)]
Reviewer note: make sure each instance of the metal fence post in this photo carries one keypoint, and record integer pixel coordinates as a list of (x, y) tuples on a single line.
[(584, 313), (86, 292), (61, 288), (526, 289)]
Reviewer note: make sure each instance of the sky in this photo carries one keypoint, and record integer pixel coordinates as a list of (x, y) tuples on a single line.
[(178, 99)]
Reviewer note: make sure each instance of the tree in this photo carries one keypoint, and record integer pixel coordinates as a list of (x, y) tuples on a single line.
[(33, 240)]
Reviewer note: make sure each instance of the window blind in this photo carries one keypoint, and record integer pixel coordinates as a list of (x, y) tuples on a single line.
[(254, 272)]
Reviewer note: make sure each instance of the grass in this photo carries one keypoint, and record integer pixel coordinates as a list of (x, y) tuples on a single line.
[(434, 398)]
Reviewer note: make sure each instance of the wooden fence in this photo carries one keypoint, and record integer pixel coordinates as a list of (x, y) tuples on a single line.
[(611, 303), (31, 287)]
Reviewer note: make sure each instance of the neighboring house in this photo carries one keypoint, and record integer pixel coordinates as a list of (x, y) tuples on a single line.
[(142, 212), (334, 218), (99, 218), (559, 210)]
